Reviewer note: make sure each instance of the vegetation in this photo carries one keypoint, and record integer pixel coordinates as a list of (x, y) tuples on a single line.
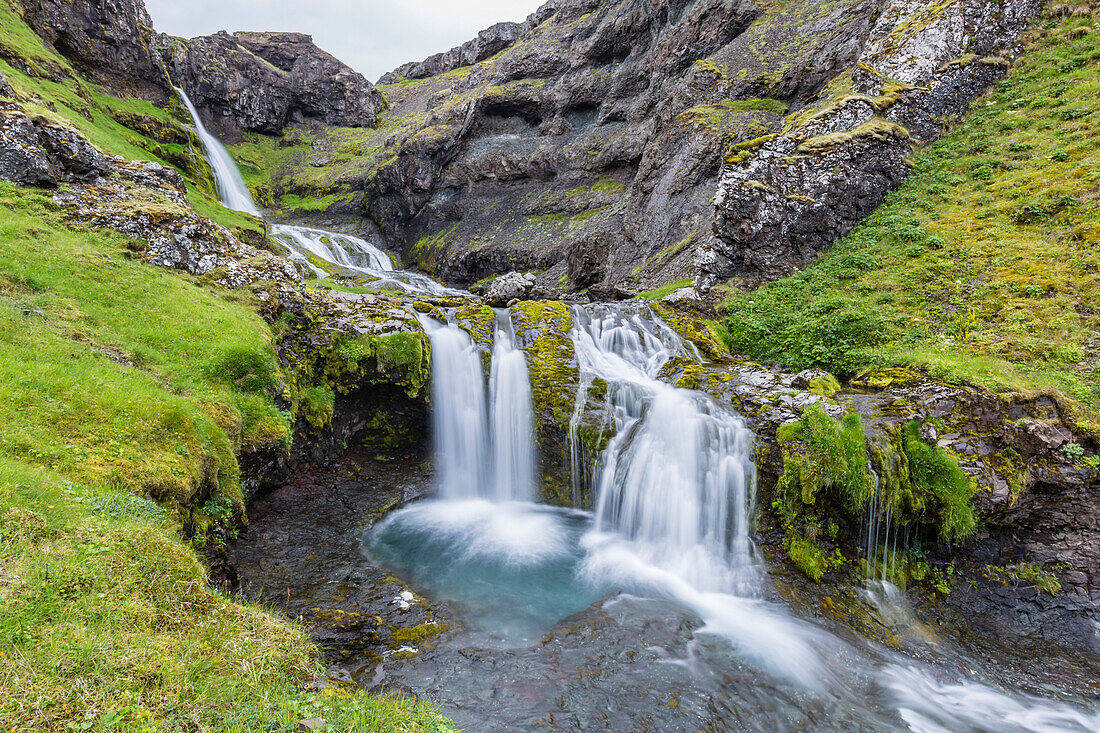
[(826, 482), (127, 393), (106, 619), (983, 266)]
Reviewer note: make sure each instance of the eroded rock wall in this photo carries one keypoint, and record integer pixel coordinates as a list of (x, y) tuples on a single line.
[(261, 82)]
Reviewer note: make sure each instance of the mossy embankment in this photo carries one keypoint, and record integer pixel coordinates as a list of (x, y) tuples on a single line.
[(835, 484), (129, 394), (984, 267)]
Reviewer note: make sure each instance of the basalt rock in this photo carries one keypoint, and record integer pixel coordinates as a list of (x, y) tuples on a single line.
[(37, 152), (639, 143), (261, 82), (783, 200), (111, 42)]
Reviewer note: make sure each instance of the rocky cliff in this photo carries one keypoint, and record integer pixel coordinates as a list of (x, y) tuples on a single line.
[(245, 82), (640, 143), (263, 82)]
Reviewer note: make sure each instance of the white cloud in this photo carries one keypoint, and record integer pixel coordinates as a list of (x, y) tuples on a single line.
[(372, 36)]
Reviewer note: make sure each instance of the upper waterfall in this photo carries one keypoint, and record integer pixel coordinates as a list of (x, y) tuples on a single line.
[(231, 189)]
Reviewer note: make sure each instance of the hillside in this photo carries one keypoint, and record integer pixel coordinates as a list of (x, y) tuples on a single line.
[(984, 266), (130, 396)]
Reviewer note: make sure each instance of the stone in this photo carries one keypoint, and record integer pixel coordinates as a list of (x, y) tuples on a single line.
[(5, 88), (36, 152), (509, 288), (311, 724), (261, 82)]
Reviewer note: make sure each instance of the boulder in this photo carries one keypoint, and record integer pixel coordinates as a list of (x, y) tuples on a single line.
[(510, 287)]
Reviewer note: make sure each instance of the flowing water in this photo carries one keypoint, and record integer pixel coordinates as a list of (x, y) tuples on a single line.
[(314, 249), (685, 636)]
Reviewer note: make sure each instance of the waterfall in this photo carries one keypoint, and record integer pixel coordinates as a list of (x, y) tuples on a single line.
[(305, 245), (512, 422), (484, 449), (231, 189), (677, 478)]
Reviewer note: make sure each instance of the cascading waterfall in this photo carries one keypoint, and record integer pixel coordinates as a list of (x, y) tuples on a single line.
[(484, 449), (307, 245), (227, 177), (676, 480)]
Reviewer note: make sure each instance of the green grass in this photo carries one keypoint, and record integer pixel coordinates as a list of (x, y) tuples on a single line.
[(665, 290), (984, 267), (169, 421), (107, 623)]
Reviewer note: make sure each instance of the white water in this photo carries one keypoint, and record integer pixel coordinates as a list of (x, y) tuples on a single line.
[(307, 245), (674, 495), (231, 189), (928, 705), (484, 449)]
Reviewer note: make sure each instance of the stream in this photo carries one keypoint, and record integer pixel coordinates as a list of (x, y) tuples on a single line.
[(654, 611)]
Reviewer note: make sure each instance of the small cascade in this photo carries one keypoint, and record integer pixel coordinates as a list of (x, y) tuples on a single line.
[(345, 250), (676, 481), (512, 423), (231, 189), (484, 448)]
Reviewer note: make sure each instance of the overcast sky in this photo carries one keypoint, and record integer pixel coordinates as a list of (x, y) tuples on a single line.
[(371, 36)]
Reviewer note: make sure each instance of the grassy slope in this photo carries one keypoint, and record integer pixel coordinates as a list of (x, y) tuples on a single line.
[(121, 381), (46, 78), (984, 266)]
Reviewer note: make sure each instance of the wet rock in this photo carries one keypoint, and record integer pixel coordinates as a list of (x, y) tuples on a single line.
[(261, 82), (509, 288)]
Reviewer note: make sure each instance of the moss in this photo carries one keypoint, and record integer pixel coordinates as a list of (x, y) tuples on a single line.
[(317, 406), (937, 478), (664, 290), (877, 128), (408, 636), (881, 378), (543, 327), (706, 335), (826, 386), (822, 456), (694, 376), (479, 321), (808, 557)]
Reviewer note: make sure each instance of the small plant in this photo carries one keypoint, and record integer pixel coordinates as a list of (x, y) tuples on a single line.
[(1073, 451)]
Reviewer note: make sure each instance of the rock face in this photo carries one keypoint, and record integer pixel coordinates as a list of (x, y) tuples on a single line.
[(782, 201), (490, 41), (261, 82), (38, 152), (642, 142), (109, 41)]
